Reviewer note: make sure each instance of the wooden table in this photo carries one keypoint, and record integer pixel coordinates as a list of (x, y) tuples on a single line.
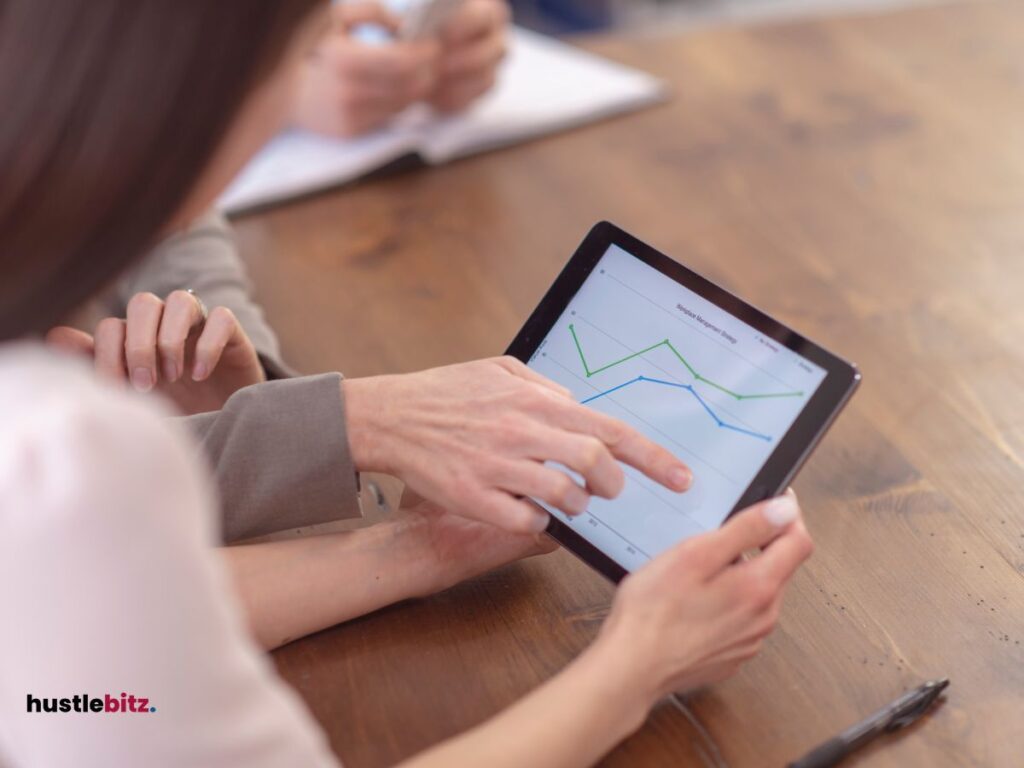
[(861, 178)]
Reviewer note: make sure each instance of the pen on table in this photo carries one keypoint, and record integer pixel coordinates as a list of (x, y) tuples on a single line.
[(892, 717)]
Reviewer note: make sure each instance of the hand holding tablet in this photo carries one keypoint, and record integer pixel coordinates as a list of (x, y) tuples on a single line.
[(694, 614)]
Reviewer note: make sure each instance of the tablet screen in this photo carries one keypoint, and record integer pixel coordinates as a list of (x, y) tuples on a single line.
[(639, 346)]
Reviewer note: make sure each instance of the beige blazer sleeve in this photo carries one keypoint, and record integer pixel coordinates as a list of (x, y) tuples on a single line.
[(280, 456)]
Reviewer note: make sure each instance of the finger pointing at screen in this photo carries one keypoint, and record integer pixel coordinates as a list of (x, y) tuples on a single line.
[(476, 438)]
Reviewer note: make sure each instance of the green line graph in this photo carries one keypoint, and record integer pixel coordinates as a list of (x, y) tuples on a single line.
[(693, 372)]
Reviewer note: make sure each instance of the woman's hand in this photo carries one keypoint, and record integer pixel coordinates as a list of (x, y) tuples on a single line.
[(688, 618), (473, 44), (475, 437), (171, 347), (693, 615), (349, 87)]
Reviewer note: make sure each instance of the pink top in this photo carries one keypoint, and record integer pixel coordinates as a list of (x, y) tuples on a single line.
[(109, 586)]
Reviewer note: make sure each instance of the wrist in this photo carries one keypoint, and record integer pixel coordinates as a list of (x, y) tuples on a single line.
[(366, 423), (413, 572), (434, 574), (633, 659), (615, 679)]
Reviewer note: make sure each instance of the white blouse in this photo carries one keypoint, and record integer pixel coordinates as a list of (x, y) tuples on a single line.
[(109, 586)]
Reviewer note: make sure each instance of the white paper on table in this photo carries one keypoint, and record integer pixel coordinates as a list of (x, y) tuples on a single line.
[(544, 86)]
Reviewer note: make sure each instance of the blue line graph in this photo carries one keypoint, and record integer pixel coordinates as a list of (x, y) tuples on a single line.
[(689, 388)]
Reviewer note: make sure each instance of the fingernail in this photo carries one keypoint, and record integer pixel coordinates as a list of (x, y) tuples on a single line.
[(170, 370), (142, 379), (539, 522), (681, 478), (781, 511), (199, 372)]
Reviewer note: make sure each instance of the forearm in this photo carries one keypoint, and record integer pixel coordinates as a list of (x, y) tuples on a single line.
[(572, 720), (295, 587)]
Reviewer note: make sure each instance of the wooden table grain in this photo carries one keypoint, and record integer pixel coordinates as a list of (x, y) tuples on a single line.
[(863, 179)]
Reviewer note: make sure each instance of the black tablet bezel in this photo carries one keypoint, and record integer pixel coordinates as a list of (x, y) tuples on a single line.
[(794, 447)]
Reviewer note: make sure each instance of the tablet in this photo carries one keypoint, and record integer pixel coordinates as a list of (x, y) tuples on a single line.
[(737, 395)]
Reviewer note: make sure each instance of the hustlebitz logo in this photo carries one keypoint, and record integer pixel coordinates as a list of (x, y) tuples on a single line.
[(125, 704)]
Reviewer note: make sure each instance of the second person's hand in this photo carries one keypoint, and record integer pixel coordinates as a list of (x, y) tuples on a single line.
[(349, 87), (473, 44), (172, 347), (475, 438)]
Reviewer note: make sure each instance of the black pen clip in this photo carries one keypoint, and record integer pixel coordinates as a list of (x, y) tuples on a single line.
[(910, 715)]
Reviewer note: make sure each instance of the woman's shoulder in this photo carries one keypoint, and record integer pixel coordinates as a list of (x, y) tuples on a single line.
[(70, 442)]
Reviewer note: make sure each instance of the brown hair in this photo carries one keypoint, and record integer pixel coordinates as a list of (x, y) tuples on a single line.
[(110, 110)]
